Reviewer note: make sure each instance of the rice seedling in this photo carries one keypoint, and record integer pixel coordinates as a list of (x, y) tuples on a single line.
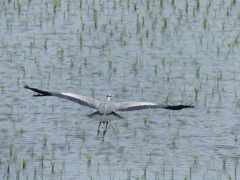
[(85, 60), (108, 154), (163, 61), (40, 19), (198, 4), (24, 71), (110, 64), (45, 43), (172, 171), (18, 171), (35, 170), (52, 164), (24, 164), (155, 69), (42, 157), (138, 26), (53, 106), (161, 3), (55, 5), (168, 76), (8, 166), (217, 79), (53, 148), (224, 161), (143, 20), (223, 26), (145, 120), (80, 3), (186, 7), (10, 56), (174, 141), (205, 100), (113, 126), (196, 160), (197, 71), (8, 23), (66, 137), (92, 92), (60, 51), (84, 132), (147, 33), (194, 10), (81, 38), (95, 18), (10, 107), (10, 150), (68, 5), (19, 7), (196, 90), (165, 21), (144, 168), (141, 40), (180, 14), (235, 137), (235, 167), (219, 95), (190, 172), (129, 172), (64, 15), (167, 98), (72, 63), (152, 41), (126, 123), (89, 158), (45, 138), (135, 6), (63, 165), (134, 132), (218, 49), (60, 172)]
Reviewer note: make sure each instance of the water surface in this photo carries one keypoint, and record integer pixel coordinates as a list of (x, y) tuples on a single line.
[(180, 52)]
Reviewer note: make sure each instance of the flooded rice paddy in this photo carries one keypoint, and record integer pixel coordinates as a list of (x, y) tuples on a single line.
[(179, 52)]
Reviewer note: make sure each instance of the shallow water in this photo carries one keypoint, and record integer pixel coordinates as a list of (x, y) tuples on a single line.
[(133, 56)]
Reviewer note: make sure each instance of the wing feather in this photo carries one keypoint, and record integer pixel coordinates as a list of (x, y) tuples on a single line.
[(82, 100), (112, 106), (132, 106)]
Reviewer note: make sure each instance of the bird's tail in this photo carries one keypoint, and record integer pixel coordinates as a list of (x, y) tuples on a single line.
[(104, 117)]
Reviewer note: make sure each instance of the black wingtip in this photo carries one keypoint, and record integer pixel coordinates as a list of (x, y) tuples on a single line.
[(26, 86), (41, 93), (178, 107)]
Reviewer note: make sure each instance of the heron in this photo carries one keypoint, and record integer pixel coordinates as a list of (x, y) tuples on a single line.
[(105, 109)]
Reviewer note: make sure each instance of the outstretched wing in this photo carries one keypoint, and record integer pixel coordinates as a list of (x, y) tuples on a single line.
[(132, 106), (177, 107), (83, 100)]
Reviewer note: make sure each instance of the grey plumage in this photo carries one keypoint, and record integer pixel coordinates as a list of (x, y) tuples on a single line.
[(105, 109)]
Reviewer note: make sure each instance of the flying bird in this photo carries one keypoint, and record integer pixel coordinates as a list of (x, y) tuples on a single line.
[(105, 109)]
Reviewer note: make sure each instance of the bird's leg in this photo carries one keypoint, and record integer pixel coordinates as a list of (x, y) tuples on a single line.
[(105, 130), (99, 128)]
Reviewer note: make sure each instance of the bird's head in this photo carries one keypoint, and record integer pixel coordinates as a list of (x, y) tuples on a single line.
[(109, 97)]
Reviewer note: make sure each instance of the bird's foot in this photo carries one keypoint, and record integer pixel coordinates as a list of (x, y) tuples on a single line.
[(98, 132)]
